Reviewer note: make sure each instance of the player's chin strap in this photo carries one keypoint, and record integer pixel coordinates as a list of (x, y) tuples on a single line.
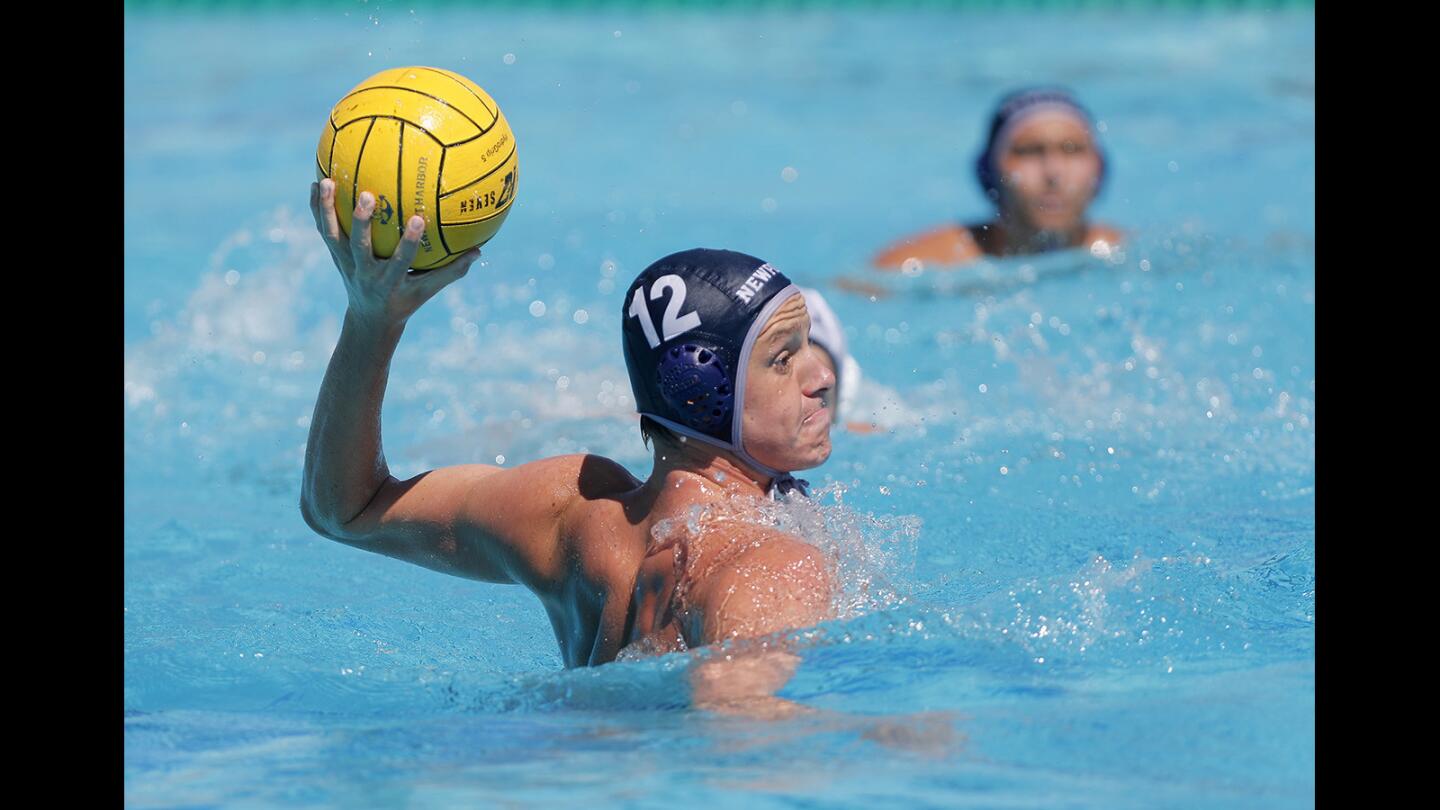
[(785, 483), (781, 483)]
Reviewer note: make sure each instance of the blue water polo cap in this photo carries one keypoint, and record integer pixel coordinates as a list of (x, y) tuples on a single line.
[(1010, 113), (690, 320)]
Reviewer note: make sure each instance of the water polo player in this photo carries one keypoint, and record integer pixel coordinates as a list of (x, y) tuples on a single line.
[(1041, 166), (732, 397)]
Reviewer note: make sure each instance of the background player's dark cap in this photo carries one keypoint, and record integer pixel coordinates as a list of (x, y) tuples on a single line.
[(1009, 112)]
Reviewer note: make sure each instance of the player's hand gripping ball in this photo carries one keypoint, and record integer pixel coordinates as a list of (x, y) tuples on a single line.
[(424, 141)]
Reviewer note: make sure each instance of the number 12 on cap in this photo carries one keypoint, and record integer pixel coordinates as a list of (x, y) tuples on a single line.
[(673, 323)]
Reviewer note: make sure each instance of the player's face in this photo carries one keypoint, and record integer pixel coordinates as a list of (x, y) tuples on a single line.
[(787, 384), (1049, 172)]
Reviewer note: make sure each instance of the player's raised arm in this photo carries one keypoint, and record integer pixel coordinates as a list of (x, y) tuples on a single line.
[(475, 521)]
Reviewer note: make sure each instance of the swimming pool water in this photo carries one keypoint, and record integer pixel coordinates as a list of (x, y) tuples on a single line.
[(1088, 537)]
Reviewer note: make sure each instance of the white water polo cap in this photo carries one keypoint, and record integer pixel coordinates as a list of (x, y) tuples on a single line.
[(827, 333), (690, 321)]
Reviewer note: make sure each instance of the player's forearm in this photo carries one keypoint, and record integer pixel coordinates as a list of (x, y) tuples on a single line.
[(344, 459)]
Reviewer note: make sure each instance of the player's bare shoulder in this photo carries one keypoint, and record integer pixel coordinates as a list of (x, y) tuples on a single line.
[(1108, 234), (945, 245), (775, 581), (594, 531), (570, 480), (597, 477)]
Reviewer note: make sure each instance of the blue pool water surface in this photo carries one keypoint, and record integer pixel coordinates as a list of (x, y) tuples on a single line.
[(1080, 561)]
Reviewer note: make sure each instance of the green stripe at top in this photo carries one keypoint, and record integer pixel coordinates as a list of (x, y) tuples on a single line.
[(724, 5)]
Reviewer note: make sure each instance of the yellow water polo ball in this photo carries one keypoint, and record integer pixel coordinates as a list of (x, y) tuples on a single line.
[(424, 141)]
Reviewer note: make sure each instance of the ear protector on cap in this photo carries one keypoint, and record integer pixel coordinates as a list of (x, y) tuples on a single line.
[(694, 383)]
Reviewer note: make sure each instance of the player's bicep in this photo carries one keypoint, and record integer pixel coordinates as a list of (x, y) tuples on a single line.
[(475, 521)]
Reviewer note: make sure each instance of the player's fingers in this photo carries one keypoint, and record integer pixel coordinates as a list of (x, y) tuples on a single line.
[(325, 221), (360, 249), (315, 204), (404, 254), (324, 208)]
